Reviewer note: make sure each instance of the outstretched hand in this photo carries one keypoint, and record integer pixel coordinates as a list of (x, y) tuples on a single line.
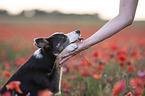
[(71, 54), (67, 56)]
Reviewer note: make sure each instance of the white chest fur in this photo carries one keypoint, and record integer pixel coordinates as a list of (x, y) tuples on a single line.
[(38, 54)]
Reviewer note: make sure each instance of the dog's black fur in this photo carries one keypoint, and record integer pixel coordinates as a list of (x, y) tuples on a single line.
[(35, 75)]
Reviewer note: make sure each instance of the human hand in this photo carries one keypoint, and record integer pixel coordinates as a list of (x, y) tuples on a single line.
[(66, 56)]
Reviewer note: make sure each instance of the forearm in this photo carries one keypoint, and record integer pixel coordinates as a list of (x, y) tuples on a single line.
[(125, 18), (109, 29)]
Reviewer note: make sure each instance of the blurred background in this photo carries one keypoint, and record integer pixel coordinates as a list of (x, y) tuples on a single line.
[(122, 55), (37, 18)]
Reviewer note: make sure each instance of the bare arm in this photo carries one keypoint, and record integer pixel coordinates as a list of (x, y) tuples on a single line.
[(123, 19)]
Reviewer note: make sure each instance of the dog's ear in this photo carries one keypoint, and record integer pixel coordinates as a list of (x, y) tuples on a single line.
[(41, 43)]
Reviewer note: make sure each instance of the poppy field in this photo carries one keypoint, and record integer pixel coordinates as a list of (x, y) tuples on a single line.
[(114, 67)]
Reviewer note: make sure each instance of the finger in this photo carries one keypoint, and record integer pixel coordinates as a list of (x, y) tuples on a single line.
[(65, 59), (71, 53), (68, 54)]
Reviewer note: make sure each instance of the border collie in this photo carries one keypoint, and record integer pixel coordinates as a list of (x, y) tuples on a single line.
[(41, 72)]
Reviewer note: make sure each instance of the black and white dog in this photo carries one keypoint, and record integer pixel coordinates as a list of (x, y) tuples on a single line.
[(40, 72)]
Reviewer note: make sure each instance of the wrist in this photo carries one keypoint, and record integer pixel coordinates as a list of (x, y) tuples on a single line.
[(82, 46)]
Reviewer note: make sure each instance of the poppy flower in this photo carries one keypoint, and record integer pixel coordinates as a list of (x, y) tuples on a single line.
[(129, 94), (6, 73), (96, 54), (136, 82), (14, 85), (131, 68), (20, 61), (84, 73), (96, 75), (119, 87), (6, 94), (138, 91), (82, 63), (65, 85), (121, 63), (121, 57), (100, 67)]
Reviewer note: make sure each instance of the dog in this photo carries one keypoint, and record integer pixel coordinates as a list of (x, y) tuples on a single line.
[(41, 71)]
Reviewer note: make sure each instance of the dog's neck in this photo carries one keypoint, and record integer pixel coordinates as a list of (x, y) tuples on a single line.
[(40, 58), (41, 53)]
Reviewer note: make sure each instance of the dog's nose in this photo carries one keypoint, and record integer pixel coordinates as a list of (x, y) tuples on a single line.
[(78, 31)]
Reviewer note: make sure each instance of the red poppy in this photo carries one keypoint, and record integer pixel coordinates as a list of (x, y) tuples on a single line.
[(136, 82), (138, 91), (65, 85), (82, 63), (100, 67), (14, 85), (131, 68), (119, 87), (20, 61), (129, 94), (6, 94), (96, 75), (121, 57), (84, 73), (121, 63), (6, 73), (96, 54)]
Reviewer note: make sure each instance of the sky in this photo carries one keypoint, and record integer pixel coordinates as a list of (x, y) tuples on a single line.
[(106, 10)]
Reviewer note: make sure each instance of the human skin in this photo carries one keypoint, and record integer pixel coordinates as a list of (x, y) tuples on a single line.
[(123, 19)]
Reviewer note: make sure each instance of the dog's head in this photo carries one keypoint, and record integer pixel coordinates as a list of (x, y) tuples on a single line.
[(57, 42)]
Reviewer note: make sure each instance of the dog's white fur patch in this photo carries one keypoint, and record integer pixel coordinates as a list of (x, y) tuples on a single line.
[(38, 54), (71, 47), (72, 36)]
